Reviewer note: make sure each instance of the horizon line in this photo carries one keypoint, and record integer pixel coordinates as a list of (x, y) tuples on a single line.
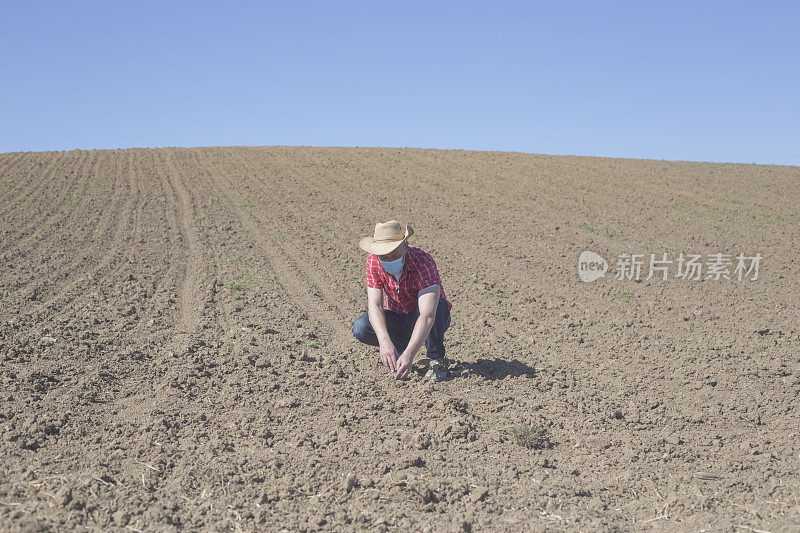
[(164, 147)]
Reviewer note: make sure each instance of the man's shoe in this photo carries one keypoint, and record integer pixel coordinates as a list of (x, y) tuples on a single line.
[(435, 373), (424, 362)]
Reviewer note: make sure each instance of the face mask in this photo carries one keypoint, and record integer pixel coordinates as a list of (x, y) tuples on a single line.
[(393, 267)]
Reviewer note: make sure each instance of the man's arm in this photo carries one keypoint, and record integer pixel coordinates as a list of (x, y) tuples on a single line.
[(378, 322), (427, 302)]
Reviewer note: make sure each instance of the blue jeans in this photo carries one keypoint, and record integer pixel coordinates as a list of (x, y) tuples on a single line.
[(400, 327)]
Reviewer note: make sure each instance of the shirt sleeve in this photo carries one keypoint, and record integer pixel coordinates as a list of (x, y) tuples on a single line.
[(373, 274), (428, 273)]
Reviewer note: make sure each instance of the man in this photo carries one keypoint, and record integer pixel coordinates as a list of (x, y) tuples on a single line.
[(417, 309)]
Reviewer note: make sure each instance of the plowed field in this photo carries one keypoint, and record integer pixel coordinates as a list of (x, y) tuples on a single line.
[(176, 352)]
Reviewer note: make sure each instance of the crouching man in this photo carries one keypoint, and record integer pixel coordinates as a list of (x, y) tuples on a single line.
[(417, 309)]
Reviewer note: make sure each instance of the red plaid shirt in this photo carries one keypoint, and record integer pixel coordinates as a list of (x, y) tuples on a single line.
[(419, 272)]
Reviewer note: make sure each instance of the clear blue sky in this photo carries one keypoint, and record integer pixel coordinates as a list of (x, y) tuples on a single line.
[(704, 81)]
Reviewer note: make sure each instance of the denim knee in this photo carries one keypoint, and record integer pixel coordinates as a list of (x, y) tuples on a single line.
[(362, 328)]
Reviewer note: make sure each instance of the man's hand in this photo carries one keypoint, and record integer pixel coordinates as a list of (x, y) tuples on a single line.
[(403, 366), (389, 355)]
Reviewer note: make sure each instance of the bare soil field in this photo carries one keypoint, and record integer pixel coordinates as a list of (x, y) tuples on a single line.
[(176, 349)]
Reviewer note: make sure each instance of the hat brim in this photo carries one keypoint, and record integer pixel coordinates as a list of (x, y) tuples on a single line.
[(369, 245), (379, 248)]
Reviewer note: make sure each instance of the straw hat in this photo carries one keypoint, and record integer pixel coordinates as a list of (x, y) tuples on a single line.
[(387, 237)]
